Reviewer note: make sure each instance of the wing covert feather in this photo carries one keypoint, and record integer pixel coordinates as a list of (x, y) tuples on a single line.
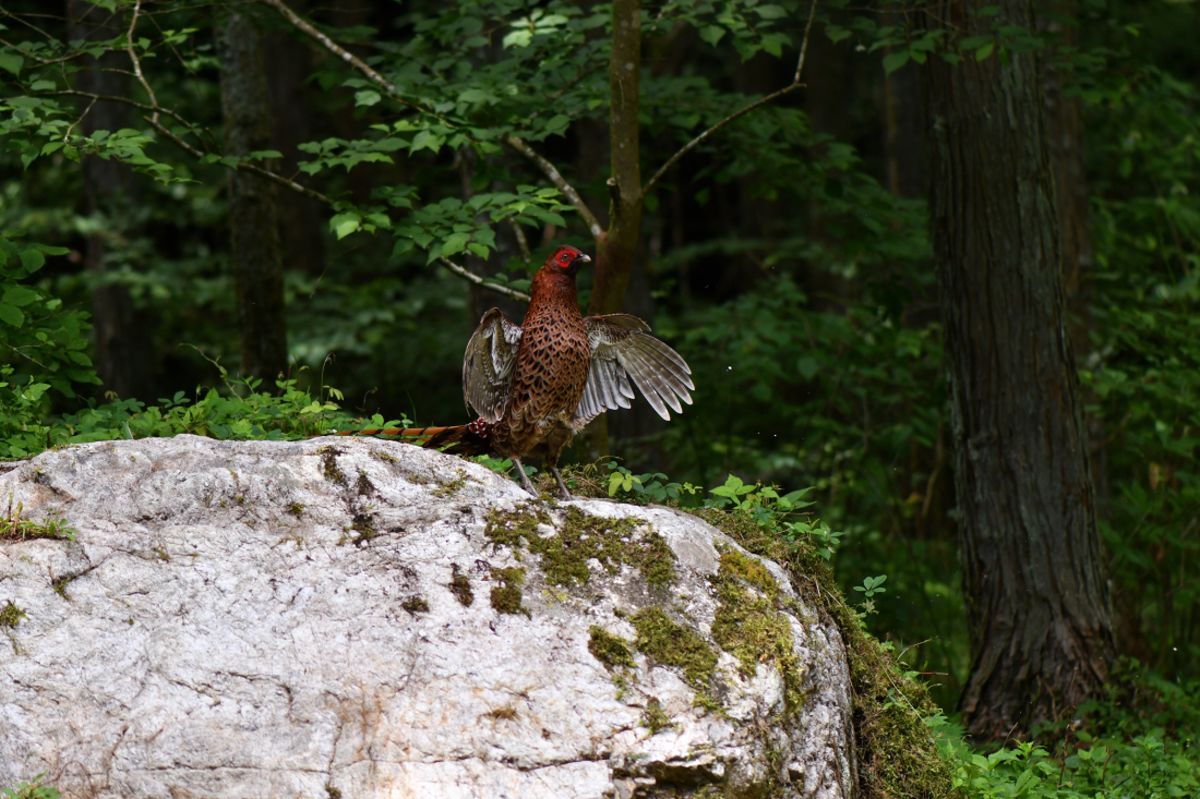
[(488, 364), (624, 354)]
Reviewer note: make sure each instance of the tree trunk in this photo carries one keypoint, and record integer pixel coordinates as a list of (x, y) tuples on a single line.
[(301, 219), (122, 348), (255, 250), (617, 246), (1038, 604)]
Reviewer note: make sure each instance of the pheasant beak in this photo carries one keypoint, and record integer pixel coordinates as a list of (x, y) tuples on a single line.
[(584, 257)]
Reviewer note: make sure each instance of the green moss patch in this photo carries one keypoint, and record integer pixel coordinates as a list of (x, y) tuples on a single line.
[(654, 718), (896, 753), (329, 467), (750, 625), (415, 604), (564, 555), (11, 615), (672, 644), (506, 597), (611, 650), (460, 586), (451, 487)]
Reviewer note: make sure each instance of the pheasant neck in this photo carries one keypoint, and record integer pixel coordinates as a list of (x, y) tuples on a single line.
[(553, 286)]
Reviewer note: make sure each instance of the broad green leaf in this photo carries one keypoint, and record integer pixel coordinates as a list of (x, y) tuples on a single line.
[(345, 223), (894, 60), (712, 34), (20, 295), (455, 243), (11, 62), (32, 258), (11, 314)]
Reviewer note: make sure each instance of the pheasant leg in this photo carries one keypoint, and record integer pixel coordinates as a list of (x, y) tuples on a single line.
[(524, 477), (562, 487)]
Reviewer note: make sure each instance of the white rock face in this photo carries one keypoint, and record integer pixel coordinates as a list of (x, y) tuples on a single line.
[(289, 619)]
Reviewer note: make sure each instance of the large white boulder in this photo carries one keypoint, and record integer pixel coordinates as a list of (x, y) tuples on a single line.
[(358, 618)]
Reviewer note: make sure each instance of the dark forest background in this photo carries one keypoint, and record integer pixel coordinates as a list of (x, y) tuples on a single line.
[(258, 219)]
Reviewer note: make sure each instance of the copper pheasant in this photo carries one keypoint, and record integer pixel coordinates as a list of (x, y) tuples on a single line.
[(537, 384)]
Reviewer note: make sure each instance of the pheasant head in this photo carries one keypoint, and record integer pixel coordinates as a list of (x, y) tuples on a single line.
[(565, 260)]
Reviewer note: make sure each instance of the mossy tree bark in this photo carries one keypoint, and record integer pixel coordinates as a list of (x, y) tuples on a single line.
[(1038, 604), (255, 249)]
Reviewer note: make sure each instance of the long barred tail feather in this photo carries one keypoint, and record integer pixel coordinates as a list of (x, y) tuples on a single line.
[(461, 439)]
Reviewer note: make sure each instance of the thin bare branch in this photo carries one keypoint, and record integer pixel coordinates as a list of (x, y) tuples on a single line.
[(137, 63), (79, 120), (812, 14), (741, 112), (308, 29), (551, 172), (467, 274), (522, 241)]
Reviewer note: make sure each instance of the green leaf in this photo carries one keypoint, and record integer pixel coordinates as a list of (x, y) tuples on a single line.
[(985, 51), (837, 33), (11, 62), (712, 34), (894, 60), (455, 243), (367, 97), (344, 224), (32, 258), (427, 140), (771, 12), (11, 314), (20, 295)]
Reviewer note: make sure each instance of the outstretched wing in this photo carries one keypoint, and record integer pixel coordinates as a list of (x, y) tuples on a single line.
[(623, 351), (488, 364)]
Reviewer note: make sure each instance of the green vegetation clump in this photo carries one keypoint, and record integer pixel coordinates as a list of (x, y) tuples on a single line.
[(11, 615), (897, 753), (415, 604), (31, 790), (655, 718), (460, 586), (451, 487), (363, 528), (611, 650), (15, 527), (564, 555), (329, 467), (506, 597)]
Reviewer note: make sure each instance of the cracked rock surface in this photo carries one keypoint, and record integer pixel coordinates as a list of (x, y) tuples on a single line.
[(329, 618)]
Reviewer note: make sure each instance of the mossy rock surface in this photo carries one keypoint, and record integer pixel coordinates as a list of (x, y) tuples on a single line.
[(352, 616)]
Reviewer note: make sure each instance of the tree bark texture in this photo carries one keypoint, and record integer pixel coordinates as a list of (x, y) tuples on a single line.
[(255, 250), (617, 246), (122, 349), (1038, 603)]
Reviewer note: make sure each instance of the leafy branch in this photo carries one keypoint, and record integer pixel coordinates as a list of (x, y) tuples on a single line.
[(516, 143), (741, 112)]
